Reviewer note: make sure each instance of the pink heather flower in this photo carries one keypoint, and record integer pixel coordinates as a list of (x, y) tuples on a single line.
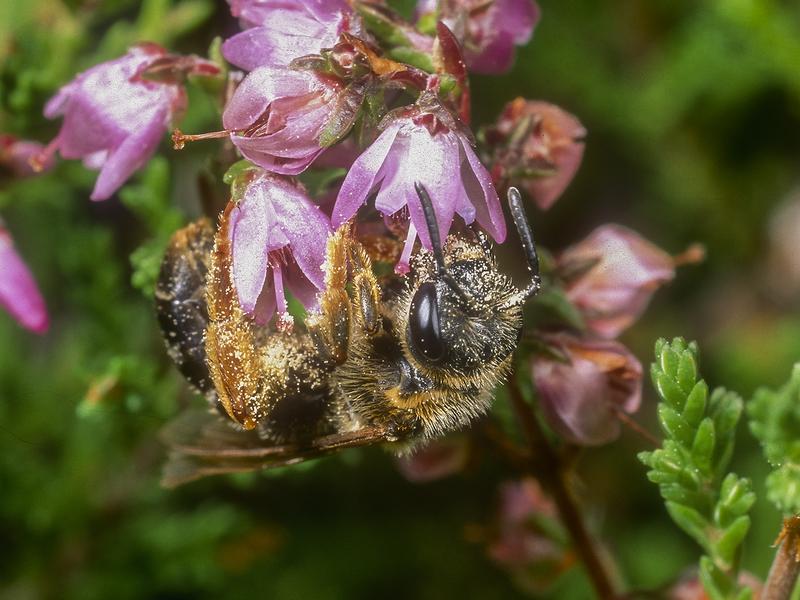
[(615, 273), (527, 536), (537, 146), (488, 31), (585, 386), (436, 460), (430, 148), (18, 156), (279, 238), (278, 31), (276, 117), (19, 294), (116, 113)]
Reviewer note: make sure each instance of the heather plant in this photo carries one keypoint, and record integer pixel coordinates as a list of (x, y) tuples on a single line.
[(299, 118)]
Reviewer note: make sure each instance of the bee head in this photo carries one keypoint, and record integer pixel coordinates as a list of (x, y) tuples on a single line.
[(464, 317)]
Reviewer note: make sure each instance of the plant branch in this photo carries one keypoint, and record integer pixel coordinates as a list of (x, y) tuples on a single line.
[(786, 564), (555, 480)]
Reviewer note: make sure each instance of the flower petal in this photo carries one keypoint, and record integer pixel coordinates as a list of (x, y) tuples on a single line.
[(254, 233), (287, 35), (301, 288), (134, 151), (305, 226), (516, 18), (433, 161), (581, 394), (488, 211), (259, 89), (19, 294), (361, 177)]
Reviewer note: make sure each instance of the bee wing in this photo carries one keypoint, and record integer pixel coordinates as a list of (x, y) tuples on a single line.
[(203, 443)]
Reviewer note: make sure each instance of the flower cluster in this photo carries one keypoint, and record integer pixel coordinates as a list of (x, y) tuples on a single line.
[(354, 85), (587, 381)]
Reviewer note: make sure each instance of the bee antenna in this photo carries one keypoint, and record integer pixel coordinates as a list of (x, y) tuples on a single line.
[(526, 237), (436, 241)]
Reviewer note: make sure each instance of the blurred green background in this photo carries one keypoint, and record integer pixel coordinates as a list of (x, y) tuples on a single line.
[(693, 113)]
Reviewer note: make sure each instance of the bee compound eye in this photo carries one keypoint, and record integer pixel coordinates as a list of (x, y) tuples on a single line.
[(424, 332)]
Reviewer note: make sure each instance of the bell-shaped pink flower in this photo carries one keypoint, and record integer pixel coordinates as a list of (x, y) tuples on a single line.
[(116, 113), (432, 149), (538, 146), (19, 156), (19, 294), (611, 276), (279, 238), (527, 539), (584, 385), (436, 460), (488, 31), (276, 31), (276, 117)]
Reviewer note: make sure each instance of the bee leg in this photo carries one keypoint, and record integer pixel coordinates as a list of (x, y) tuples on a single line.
[(366, 289), (330, 327), (247, 387)]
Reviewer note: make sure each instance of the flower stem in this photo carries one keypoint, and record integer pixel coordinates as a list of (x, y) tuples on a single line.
[(555, 479), (786, 564)]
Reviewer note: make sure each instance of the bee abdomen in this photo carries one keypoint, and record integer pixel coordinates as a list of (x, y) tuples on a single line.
[(181, 303)]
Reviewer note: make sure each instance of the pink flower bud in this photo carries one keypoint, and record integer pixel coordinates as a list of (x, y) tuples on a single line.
[(524, 539), (116, 113), (19, 156), (426, 146), (19, 294), (488, 31), (436, 460), (537, 146), (584, 385), (611, 276)]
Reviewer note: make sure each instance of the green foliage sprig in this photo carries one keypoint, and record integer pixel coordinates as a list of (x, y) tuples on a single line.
[(690, 468), (775, 421)]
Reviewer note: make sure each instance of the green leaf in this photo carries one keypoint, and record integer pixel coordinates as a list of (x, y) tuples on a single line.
[(413, 57), (714, 581), (680, 495), (735, 499), (554, 301), (726, 411), (695, 406), (728, 545), (669, 390), (691, 521), (687, 372), (708, 504), (703, 445), (775, 421), (669, 362), (674, 425), (783, 488)]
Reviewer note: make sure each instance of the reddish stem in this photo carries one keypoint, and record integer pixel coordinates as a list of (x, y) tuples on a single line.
[(555, 478), (785, 567)]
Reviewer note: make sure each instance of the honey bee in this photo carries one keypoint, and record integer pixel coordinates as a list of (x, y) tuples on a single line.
[(396, 363)]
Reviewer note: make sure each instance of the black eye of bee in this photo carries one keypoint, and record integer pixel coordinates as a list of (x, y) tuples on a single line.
[(424, 333)]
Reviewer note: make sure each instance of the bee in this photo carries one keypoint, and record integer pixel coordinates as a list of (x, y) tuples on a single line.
[(395, 363)]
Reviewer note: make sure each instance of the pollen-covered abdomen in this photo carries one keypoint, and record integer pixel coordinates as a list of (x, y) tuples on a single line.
[(181, 303)]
